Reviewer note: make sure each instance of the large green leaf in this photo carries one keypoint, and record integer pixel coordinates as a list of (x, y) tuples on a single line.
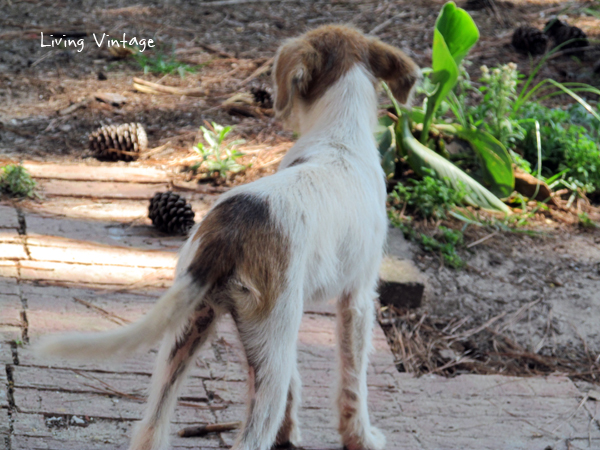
[(420, 156), (454, 35), (494, 158), (458, 30)]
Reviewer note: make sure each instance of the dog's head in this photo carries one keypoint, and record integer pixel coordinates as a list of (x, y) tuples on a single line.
[(305, 67)]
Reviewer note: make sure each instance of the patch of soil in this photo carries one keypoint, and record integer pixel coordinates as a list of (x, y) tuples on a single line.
[(522, 306), (229, 42)]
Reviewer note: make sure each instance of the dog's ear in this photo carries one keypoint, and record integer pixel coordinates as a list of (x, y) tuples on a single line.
[(294, 66), (394, 67)]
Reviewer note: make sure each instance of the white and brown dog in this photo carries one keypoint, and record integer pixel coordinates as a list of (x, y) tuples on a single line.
[(313, 231)]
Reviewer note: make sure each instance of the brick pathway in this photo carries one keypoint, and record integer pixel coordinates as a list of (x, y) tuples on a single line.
[(90, 262)]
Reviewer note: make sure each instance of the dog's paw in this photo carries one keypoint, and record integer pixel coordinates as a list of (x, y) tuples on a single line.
[(370, 439)]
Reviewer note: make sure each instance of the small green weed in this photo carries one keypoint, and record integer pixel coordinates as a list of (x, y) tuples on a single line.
[(217, 156), (444, 241), (15, 181), (429, 197), (160, 63), (499, 89), (586, 222)]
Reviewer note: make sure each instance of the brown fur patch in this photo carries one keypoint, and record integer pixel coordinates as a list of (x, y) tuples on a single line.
[(394, 67), (240, 242), (309, 65)]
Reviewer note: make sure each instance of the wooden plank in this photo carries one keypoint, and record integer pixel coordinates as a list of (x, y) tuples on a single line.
[(60, 249), (86, 381), (10, 310), (8, 217), (84, 172), (95, 274), (98, 406), (111, 233), (99, 189), (36, 431), (3, 393), (4, 426)]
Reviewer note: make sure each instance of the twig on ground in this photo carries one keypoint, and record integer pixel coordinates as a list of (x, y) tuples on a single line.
[(154, 88), (385, 23), (258, 72), (483, 239), (203, 430)]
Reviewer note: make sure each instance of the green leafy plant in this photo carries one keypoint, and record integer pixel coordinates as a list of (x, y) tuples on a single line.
[(217, 156), (444, 241), (493, 113), (571, 147), (428, 197), (421, 157), (455, 33), (160, 63), (15, 181)]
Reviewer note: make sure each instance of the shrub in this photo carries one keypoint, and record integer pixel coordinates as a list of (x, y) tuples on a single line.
[(15, 181), (427, 197)]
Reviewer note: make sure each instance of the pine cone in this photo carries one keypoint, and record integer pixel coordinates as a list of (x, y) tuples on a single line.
[(170, 213), (262, 95), (118, 142), (529, 40), (561, 32)]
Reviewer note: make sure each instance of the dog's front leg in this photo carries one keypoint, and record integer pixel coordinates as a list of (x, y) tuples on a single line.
[(176, 353), (355, 320), (270, 345)]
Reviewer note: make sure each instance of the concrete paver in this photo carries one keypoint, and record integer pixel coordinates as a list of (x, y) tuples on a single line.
[(8, 217), (79, 271)]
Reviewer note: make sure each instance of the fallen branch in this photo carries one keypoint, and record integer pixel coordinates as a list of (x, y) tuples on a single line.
[(155, 88), (385, 23), (258, 72), (75, 106), (203, 430)]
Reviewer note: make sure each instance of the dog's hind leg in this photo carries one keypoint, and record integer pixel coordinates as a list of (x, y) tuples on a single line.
[(355, 320), (174, 358), (270, 345), (289, 431)]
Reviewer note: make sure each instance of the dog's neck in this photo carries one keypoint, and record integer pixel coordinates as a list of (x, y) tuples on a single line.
[(346, 114)]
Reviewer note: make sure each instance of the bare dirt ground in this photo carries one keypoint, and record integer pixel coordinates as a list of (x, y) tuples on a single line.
[(545, 286)]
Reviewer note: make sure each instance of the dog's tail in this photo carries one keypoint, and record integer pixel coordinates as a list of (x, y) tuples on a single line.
[(169, 312)]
